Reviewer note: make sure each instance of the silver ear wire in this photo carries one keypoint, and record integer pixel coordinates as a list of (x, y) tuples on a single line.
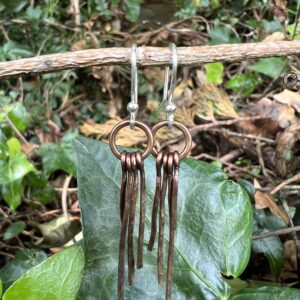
[(168, 92), (133, 106)]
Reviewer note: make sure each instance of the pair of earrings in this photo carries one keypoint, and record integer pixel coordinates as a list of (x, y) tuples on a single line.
[(133, 175)]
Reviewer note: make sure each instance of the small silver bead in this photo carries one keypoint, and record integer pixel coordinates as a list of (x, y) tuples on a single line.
[(132, 107), (170, 107)]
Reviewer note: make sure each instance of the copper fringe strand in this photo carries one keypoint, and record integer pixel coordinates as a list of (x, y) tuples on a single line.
[(169, 162), (132, 171)]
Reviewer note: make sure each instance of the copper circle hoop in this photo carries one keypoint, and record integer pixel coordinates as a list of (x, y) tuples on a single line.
[(119, 126), (186, 134)]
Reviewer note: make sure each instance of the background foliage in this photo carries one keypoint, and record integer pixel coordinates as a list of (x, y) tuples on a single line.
[(40, 117)]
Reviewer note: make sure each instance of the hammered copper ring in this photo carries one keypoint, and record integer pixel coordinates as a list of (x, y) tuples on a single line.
[(119, 126), (186, 134)]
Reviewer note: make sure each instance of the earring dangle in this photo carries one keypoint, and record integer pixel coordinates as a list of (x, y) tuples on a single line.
[(132, 172), (167, 163)]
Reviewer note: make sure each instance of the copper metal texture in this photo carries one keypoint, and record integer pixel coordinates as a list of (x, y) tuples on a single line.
[(124, 224), (167, 183), (132, 174), (140, 167), (159, 162), (119, 126), (183, 129), (173, 171)]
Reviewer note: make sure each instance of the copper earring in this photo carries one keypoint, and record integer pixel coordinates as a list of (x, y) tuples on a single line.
[(132, 172), (168, 162)]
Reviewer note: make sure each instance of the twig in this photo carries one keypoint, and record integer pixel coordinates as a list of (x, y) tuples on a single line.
[(146, 56), (16, 130), (203, 127), (261, 160), (64, 195), (7, 254), (75, 5), (276, 232), (69, 190), (296, 20), (232, 166), (245, 135), (231, 155), (284, 183)]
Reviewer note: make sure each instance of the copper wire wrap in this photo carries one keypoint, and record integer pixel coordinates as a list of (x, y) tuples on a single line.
[(132, 187), (166, 183)]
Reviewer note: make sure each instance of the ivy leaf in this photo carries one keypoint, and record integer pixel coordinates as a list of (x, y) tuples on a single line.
[(19, 116), (59, 156), (271, 247), (13, 230), (133, 9), (54, 279), (12, 193), (16, 168), (222, 35), (267, 293), (272, 67), (214, 72), (23, 261), (244, 84), (213, 234)]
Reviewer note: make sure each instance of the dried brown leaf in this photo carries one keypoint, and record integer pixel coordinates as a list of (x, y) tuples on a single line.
[(265, 200), (275, 36), (211, 100), (290, 98)]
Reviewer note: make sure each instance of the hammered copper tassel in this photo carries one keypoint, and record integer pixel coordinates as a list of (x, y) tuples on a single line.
[(132, 184), (168, 162)]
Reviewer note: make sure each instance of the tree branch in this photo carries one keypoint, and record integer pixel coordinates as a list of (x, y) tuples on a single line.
[(146, 56)]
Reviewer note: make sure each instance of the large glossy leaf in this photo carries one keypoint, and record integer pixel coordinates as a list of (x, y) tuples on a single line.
[(267, 293), (213, 234), (23, 261), (57, 278)]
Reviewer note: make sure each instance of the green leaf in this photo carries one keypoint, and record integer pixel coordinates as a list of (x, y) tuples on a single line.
[(271, 247), (13, 230), (244, 84), (56, 278), (214, 72), (15, 169), (19, 116), (23, 261), (213, 233), (12, 193), (272, 67), (222, 35), (133, 9), (58, 231), (267, 293), (59, 156), (4, 152), (14, 146)]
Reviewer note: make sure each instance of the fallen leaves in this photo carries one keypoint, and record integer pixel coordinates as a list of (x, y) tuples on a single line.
[(265, 200), (290, 98), (211, 100)]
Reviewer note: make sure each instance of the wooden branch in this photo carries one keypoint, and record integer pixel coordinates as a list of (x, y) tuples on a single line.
[(276, 232), (146, 56)]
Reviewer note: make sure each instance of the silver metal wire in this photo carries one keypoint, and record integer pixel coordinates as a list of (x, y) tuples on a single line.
[(133, 106), (168, 91)]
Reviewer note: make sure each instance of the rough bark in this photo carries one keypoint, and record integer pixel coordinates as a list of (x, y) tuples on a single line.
[(146, 56)]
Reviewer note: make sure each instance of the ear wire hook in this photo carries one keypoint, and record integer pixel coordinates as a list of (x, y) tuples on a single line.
[(168, 92), (133, 106)]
